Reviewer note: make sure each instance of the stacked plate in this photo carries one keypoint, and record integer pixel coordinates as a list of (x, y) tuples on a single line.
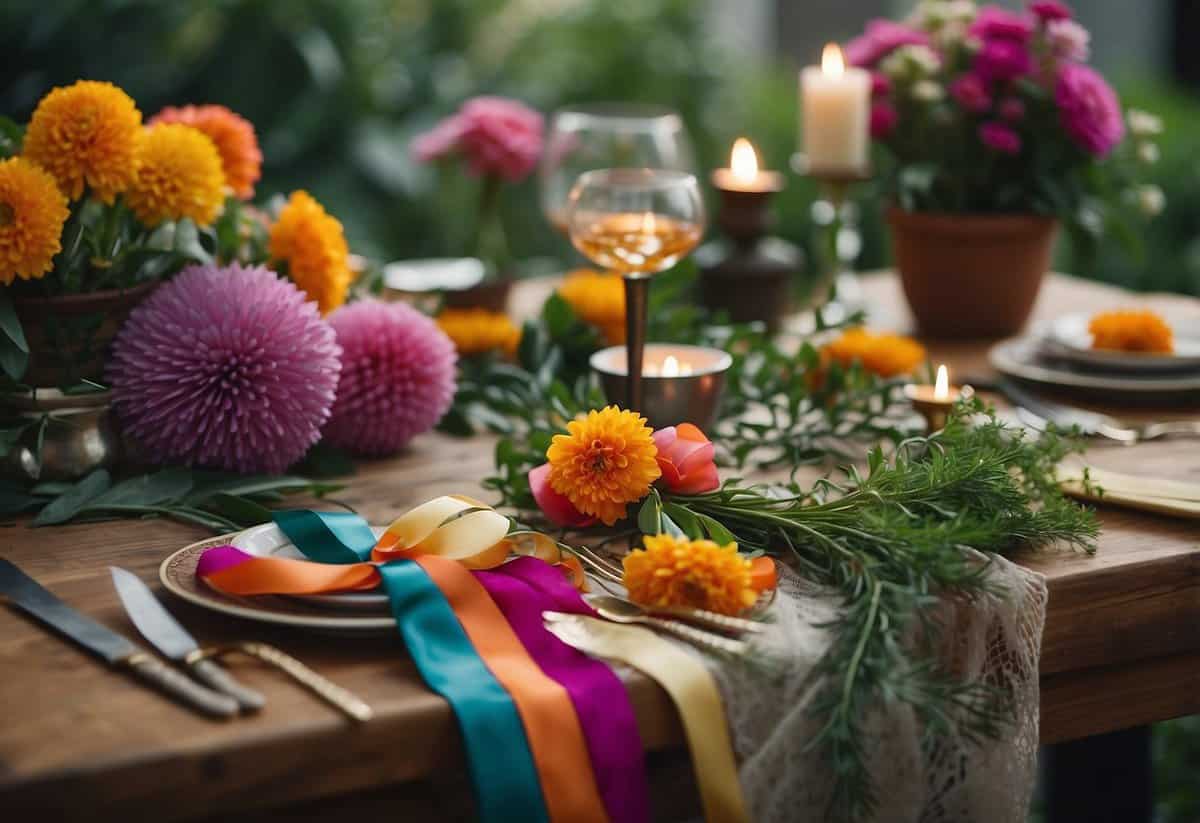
[(1062, 355)]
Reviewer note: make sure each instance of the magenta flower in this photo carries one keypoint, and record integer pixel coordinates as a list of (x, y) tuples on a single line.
[(1049, 10), (879, 39), (995, 23), (1002, 60), (883, 119), (1012, 109), (397, 377), (498, 136), (1068, 40), (1000, 137), (230, 368), (881, 84), (971, 93), (1089, 109)]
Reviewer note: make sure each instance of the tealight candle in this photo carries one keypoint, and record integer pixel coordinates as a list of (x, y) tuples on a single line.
[(934, 402), (836, 107), (680, 383), (743, 174)]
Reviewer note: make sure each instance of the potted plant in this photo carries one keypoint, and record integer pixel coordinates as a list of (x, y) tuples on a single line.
[(993, 131)]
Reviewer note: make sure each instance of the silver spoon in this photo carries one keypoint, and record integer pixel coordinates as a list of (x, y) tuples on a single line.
[(622, 611)]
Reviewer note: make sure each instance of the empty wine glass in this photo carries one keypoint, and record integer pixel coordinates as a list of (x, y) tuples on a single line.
[(637, 222)]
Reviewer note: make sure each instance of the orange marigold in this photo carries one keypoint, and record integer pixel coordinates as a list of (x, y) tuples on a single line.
[(886, 355), (32, 214), (179, 175), (475, 331), (599, 300), (307, 244), (233, 135), (698, 574), (606, 461), (1132, 330), (86, 133)]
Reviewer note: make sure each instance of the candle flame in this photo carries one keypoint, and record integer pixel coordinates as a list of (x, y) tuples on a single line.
[(743, 161), (941, 389), (670, 366), (832, 62)]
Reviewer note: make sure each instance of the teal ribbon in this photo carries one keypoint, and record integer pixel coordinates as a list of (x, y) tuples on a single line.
[(502, 770)]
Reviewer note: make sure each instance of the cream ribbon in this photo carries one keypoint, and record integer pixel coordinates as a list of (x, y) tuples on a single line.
[(690, 687)]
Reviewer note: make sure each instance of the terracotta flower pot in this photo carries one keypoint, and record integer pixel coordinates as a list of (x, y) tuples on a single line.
[(69, 335), (971, 275)]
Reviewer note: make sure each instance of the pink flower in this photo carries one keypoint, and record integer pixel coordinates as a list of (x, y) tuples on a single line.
[(1089, 109), (879, 39), (1000, 137), (1002, 60), (995, 23), (881, 84), (971, 93), (1049, 10), (685, 457), (883, 119), (1012, 109), (557, 508), (1068, 40), (498, 136)]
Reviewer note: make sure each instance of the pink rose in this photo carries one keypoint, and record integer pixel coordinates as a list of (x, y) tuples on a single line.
[(1088, 109), (557, 508), (971, 93), (1001, 60), (1000, 137), (879, 39), (685, 457), (883, 119), (1012, 109), (1048, 10), (1068, 40), (995, 23), (498, 136)]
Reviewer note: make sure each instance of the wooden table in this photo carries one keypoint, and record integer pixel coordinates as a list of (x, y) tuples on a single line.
[(1121, 648)]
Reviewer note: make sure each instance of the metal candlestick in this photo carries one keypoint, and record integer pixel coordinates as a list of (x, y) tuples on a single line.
[(837, 218), (637, 292)]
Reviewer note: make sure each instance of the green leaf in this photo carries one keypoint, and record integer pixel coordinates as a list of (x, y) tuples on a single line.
[(187, 242), (649, 517), (12, 136), (324, 460), (72, 501), (669, 527), (14, 501), (166, 486), (687, 522), (716, 532), (14, 349), (240, 510), (242, 485)]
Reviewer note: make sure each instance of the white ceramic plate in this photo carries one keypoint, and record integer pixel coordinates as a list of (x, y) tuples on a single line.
[(1020, 358), (1068, 338)]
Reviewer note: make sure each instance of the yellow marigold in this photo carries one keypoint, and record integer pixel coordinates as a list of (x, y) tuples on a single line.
[(886, 355), (475, 331), (179, 175), (232, 134), (605, 462), (312, 249), (698, 574), (1132, 330), (32, 214), (599, 300), (86, 133)]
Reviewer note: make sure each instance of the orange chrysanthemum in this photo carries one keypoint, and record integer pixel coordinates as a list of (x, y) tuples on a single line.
[(233, 135), (698, 574), (311, 247), (476, 331), (32, 214), (605, 462), (86, 133), (599, 300), (886, 355), (179, 175), (1133, 331)]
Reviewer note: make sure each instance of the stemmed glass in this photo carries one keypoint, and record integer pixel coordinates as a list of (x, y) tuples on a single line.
[(637, 222)]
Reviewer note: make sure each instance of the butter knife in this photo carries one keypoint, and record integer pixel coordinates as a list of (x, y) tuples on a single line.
[(30, 596), (166, 634)]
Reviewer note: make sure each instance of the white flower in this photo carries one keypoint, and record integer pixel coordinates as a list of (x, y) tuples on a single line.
[(1150, 200), (951, 34), (1143, 123), (927, 91), (1147, 152), (1068, 40), (912, 61)]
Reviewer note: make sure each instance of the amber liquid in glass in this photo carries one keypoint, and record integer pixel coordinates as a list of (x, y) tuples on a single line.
[(635, 242)]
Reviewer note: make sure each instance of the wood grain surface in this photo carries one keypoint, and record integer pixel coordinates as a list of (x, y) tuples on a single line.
[(1121, 647)]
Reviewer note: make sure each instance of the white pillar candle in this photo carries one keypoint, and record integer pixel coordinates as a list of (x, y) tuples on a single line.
[(836, 106)]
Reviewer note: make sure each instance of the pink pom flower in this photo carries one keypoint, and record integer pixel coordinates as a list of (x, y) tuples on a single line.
[(1002, 60), (230, 368), (1012, 109), (397, 377), (971, 93), (498, 136), (881, 38), (883, 119), (1068, 40), (1049, 10), (1000, 137), (881, 84), (556, 506), (1089, 109), (685, 457), (995, 23)]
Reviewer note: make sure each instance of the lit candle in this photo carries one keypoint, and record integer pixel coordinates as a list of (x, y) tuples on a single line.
[(934, 402), (941, 389), (836, 105), (683, 384), (743, 174)]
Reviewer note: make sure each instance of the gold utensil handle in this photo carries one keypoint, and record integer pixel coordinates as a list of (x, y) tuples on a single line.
[(179, 686), (710, 620), (327, 690), (698, 637), (211, 674)]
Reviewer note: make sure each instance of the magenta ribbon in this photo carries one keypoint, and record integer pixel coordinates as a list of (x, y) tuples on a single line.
[(525, 587)]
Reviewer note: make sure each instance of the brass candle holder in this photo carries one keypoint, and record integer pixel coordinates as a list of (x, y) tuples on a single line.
[(935, 402), (680, 383)]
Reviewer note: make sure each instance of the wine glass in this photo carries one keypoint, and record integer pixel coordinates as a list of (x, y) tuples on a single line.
[(637, 222), (607, 135)]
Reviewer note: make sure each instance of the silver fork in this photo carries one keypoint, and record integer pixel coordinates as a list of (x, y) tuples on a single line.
[(1038, 413)]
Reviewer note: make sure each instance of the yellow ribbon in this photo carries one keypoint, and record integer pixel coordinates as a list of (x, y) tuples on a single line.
[(690, 687)]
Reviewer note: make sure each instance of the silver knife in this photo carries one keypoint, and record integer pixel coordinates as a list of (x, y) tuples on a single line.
[(166, 634), (29, 595)]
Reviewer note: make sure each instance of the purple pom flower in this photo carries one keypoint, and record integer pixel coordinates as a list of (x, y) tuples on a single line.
[(995, 23), (397, 377), (1001, 60), (1089, 109), (229, 368), (1000, 137), (883, 119), (971, 93), (1048, 10), (881, 38)]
